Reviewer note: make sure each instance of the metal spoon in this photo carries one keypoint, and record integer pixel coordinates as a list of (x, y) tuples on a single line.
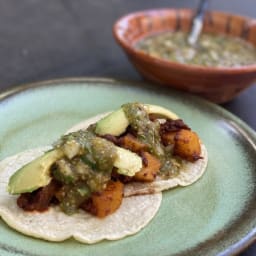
[(197, 24)]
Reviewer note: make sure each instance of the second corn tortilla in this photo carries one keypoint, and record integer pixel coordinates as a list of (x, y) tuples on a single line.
[(53, 225), (189, 174)]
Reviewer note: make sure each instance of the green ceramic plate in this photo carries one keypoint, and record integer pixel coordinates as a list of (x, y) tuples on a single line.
[(214, 216)]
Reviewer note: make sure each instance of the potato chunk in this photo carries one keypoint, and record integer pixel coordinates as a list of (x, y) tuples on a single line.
[(150, 168), (187, 145), (109, 200), (168, 138), (133, 144)]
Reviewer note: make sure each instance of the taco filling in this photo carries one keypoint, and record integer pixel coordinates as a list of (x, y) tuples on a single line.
[(89, 169)]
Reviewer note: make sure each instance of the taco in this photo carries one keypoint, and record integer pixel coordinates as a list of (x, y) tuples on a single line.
[(53, 224), (101, 181)]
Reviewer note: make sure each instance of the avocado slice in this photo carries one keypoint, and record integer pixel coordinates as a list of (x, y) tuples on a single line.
[(127, 162), (34, 174), (116, 122)]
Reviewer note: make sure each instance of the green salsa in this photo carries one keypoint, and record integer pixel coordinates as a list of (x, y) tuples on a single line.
[(210, 50), (148, 132), (87, 169), (88, 160)]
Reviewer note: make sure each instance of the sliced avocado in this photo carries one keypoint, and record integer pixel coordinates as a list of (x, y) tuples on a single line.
[(34, 174), (127, 162), (116, 122)]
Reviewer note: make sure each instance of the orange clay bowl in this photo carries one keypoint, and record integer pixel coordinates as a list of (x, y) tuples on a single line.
[(218, 84)]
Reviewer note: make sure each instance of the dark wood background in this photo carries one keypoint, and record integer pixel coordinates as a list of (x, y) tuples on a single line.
[(62, 38)]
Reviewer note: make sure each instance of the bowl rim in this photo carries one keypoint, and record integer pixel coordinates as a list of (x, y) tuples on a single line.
[(129, 48)]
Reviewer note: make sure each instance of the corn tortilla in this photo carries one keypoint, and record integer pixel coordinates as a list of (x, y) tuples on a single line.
[(53, 225)]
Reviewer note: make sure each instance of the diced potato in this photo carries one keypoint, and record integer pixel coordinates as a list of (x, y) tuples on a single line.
[(133, 144), (187, 145), (168, 138), (149, 170), (109, 200)]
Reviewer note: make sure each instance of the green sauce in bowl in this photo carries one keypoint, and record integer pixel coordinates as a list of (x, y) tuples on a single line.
[(211, 50)]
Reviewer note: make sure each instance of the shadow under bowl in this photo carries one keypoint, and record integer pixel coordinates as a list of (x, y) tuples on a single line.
[(218, 84)]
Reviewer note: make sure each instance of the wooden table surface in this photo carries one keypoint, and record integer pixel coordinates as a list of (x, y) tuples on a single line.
[(63, 38)]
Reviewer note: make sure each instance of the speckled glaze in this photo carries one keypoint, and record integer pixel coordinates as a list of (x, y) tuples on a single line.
[(214, 83), (215, 216)]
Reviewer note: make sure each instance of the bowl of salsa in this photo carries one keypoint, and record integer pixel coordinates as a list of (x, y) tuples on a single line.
[(218, 67)]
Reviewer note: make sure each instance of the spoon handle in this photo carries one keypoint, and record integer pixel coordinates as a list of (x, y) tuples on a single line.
[(197, 24), (203, 5)]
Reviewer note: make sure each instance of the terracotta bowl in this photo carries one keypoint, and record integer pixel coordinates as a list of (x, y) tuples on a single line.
[(214, 83)]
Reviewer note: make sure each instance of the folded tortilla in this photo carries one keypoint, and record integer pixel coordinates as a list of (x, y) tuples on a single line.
[(54, 225)]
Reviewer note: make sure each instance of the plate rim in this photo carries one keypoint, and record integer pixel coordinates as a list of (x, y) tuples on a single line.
[(244, 129)]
